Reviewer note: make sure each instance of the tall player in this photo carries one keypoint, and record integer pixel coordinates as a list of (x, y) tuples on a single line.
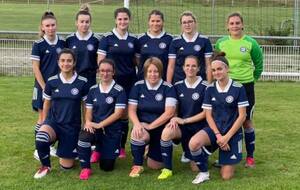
[(44, 64), (121, 47), (63, 94), (154, 43), (190, 42), (85, 45), (190, 116), (246, 65), (225, 105)]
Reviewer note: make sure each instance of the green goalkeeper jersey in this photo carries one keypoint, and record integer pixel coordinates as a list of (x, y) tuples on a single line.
[(244, 56)]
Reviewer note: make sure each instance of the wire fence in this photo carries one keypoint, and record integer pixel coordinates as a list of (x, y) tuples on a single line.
[(280, 62)]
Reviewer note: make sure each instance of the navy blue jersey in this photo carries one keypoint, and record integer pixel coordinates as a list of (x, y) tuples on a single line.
[(180, 48), (66, 97), (104, 103), (121, 50), (85, 50), (154, 46), (46, 53), (224, 104), (190, 99), (151, 102)]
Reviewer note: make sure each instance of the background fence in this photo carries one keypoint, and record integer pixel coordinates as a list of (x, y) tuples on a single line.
[(280, 62)]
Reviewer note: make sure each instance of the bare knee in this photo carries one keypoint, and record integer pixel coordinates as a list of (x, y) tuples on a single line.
[(248, 124), (227, 172), (66, 163), (155, 165), (166, 134), (195, 144)]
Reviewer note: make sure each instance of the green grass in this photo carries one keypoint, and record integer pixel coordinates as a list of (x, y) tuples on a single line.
[(24, 17), (277, 151)]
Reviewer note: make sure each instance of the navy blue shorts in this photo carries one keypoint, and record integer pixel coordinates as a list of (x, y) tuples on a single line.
[(67, 137), (154, 144), (187, 132), (231, 157), (37, 97)]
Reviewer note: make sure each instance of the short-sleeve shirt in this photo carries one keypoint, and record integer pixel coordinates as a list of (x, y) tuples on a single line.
[(225, 104), (66, 98)]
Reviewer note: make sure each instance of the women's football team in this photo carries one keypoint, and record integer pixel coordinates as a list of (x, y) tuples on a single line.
[(173, 90)]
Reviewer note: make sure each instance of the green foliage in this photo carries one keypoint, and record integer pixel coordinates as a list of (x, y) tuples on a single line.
[(277, 150), (285, 29)]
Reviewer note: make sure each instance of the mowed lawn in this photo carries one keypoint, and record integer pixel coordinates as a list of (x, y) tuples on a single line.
[(278, 149)]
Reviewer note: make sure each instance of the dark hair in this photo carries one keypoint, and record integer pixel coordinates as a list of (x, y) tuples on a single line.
[(187, 13), (46, 15), (220, 56), (108, 61), (192, 57), (84, 10), (153, 61), (67, 51), (237, 14), (122, 10), (156, 12)]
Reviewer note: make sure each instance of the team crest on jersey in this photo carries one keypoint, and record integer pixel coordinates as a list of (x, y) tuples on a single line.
[(162, 45), (195, 96), (243, 49), (197, 47), (74, 91), (109, 100), (58, 50), (229, 99), (130, 45), (90, 47), (158, 97)]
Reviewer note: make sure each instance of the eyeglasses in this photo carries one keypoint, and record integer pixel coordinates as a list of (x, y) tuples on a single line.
[(187, 22)]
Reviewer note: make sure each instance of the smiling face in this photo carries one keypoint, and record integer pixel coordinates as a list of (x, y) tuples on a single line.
[(106, 72), (49, 27), (83, 23), (122, 21), (190, 67), (153, 75), (155, 24), (188, 24), (66, 63), (235, 26), (219, 70)]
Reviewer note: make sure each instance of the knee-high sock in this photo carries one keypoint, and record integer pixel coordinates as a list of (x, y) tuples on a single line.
[(166, 148), (250, 141), (42, 144), (137, 151), (200, 157), (84, 153)]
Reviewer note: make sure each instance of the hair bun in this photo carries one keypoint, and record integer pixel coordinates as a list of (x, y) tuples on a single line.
[(85, 7)]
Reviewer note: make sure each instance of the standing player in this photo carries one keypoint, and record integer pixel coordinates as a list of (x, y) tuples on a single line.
[(44, 64), (225, 108), (63, 96), (121, 47), (152, 103), (190, 116), (85, 45), (105, 106), (246, 65), (155, 42), (189, 43)]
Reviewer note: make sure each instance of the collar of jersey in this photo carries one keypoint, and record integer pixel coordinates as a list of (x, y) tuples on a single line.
[(236, 39), (162, 33), (86, 38), (108, 89), (226, 87), (119, 36), (49, 42), (155, 87), (193, 39), (70, 81), (199, 79)]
